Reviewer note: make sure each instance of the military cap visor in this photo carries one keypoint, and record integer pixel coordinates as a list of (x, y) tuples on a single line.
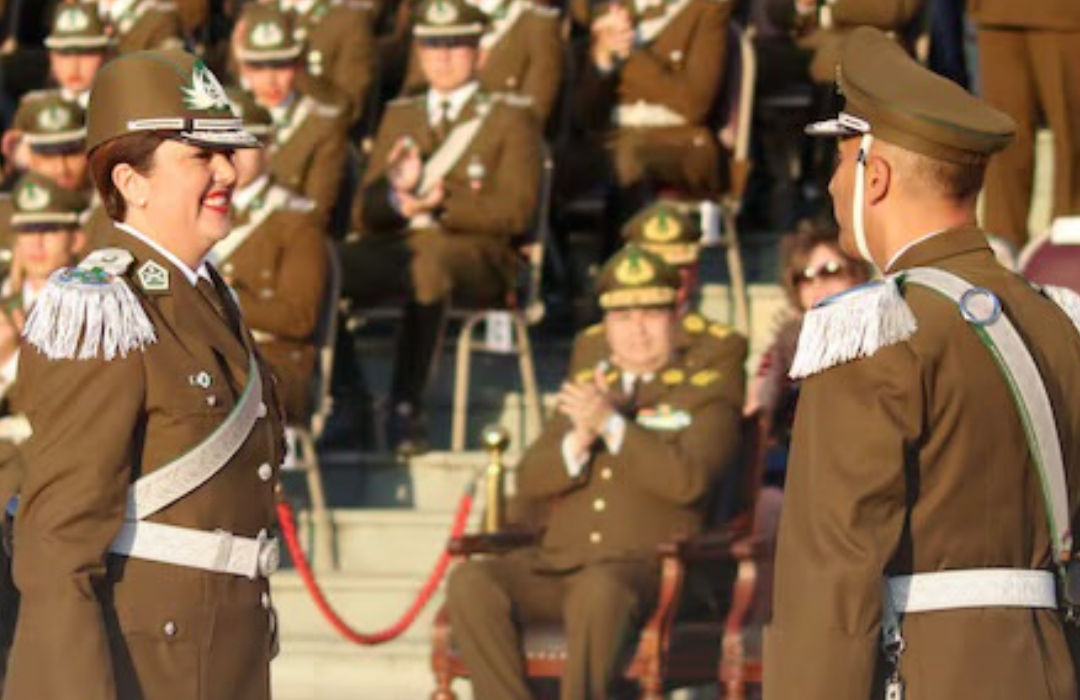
[(891, 96), (166, 91), (78, 44)]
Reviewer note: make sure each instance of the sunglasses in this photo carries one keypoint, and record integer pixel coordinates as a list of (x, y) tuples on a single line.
[(831, 269)]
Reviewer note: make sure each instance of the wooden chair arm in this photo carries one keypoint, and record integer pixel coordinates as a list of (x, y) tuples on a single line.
[(490, 543)]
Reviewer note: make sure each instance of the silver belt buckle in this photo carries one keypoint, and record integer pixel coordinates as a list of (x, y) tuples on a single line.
[(269, 554)]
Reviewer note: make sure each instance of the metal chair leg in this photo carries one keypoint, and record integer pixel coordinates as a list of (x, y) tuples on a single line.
[(739, 293), (530, 392), (325, 558), (461, 382)]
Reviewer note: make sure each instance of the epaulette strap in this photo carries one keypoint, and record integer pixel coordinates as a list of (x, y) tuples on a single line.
[(851, 325), (544, 10), (327, 110), (89, 309), (513, 99), (1067, 299)]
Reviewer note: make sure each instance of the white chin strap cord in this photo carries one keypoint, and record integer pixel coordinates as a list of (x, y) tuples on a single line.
[(858, 208)]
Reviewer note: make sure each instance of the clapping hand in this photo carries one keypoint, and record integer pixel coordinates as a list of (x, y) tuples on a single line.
[(588, 405)]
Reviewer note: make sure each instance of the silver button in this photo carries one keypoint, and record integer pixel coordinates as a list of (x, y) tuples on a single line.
[(266, 274), (595, 537), (169, 629), (262, 409), (599, 505), (211, 401), (265, 471), (227, 268), (266, 293), (606, 473)]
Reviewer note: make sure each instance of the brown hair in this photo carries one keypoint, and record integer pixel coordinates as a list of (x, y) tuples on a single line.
[(796, 247), (137, 150)]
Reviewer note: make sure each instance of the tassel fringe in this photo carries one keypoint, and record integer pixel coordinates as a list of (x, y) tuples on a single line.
[(86, 313), (852, 325), (1068, 300)]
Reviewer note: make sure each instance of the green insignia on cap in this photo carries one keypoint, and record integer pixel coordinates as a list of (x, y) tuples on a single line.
[(72, 19), (266, 35), (662, 228), (153, 277), (54, 118), (32, 198), (441, 12), (205, 92), (634, 270)]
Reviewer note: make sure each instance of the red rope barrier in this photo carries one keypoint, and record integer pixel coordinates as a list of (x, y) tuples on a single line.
[(288, 529)]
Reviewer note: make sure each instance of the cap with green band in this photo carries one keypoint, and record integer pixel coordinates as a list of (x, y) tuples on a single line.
[(39, 204), (637, 278), (49, 122), (77, 27)]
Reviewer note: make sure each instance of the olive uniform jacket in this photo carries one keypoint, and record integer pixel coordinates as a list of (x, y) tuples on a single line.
[(491, 190), (104, 627), (682, 432), (308, 153), (914, 460), (1041, 14), (524, 56), (149, 25), (340, 50), (682, 69), (278, 272)]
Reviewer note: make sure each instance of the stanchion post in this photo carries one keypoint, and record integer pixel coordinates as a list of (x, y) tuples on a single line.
[(496, 439)]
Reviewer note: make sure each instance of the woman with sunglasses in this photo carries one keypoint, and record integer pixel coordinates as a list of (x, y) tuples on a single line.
[(142, 544)]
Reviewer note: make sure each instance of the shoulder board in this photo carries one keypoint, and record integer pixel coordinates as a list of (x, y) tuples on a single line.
[(163, 6), (291, 201), (851, 325), (35, 95), (694, 323), (89, 311), (354, 5), (594, 329), (719, 330), (406, 100), (512, 99), (324, 109), (1067, 299)]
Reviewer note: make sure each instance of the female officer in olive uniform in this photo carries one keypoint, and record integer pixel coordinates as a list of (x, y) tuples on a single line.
[(142, 545)]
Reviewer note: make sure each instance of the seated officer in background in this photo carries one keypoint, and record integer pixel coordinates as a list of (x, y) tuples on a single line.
[(638, 442), (307, 152), (521, 53), (78, 44), (926, 545), (645, 96), (454, 177), (275, 261), (141, 25), (662, 228), (339, 47), (46, 224)]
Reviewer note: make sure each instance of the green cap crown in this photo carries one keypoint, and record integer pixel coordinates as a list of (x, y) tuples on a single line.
[(41, 204), (634, 278), (267, 36), (663, 228), (448, 19), (49, 122), (77, 27)]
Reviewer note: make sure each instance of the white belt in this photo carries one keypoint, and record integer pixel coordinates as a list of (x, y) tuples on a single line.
[(645, 114), (973, 588), (219, 551)]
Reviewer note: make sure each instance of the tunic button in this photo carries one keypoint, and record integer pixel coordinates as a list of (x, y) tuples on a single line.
[(605, 473), (227, 268), (211, 401), (595, 537), (169, 629), (265, 471), (598, 505), (262, 410)]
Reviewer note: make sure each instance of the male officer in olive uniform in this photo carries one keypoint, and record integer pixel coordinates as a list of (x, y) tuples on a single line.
[(275, 260), (454, 176), (921, 534), (308, 151), (521, 52), (1029, 67), (664, 229), (140, 25), (78, 45), (645, 96), (339, 47), (638, 442), (141, 541)]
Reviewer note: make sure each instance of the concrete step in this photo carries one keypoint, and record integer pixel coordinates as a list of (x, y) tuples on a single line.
[(388, 542), (369, 603)]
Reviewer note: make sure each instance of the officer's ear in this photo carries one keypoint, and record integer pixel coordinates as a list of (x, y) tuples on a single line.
[(880, 176), (132, 185)]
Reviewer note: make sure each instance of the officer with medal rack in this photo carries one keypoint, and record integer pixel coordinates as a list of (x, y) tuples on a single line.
[(925, 546), (143, 539), (638, 442), (452, 182)]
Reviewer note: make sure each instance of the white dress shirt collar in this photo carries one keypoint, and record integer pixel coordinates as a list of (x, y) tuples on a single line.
[(191, 275), (457, 99)]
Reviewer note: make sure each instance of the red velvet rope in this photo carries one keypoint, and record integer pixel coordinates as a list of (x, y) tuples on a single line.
[(288, 529)]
